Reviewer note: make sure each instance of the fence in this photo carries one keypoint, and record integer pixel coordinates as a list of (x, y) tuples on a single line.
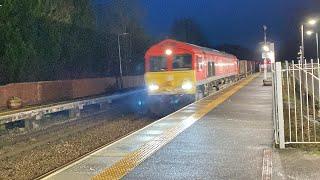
[(296, 105)]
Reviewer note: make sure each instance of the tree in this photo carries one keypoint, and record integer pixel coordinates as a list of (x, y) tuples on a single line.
[(187, 30), (49, 40), (42, 40), (124, 17)]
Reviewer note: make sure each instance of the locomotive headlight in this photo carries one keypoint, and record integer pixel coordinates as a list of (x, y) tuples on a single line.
[(153, 87), (187, 85), (168, 52)]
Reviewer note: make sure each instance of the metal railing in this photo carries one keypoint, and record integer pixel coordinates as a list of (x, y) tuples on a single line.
[(296, 103)]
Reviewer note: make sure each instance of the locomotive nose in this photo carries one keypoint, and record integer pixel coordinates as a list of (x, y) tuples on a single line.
[(168, 83)]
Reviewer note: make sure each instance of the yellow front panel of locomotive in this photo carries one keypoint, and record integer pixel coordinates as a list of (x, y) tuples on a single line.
[(171, 82)]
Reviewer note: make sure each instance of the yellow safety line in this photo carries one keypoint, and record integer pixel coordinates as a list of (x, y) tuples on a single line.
[(132, 160)]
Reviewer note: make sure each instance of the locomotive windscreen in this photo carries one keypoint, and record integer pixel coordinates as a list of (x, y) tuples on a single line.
[(182, 62), (158, 63)]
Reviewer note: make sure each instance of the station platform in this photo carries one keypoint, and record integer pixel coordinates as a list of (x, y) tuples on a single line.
[(223, 136)]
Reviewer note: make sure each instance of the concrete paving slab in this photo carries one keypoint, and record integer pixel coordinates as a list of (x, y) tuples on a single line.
[(87, 168), (227, 143), (296, 164)]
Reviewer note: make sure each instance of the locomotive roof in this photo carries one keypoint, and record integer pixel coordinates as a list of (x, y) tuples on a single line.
[(209, 49), (193, 46)]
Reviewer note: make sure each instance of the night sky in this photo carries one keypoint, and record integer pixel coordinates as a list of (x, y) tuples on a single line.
[(231, 21)]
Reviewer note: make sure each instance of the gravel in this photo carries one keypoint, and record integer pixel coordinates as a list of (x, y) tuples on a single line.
[(29, 155)]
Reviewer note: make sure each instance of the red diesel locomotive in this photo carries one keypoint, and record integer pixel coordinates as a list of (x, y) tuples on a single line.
[(175, 69)]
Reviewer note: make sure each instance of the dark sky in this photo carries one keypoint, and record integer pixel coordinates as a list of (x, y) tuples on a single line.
[(231, 21)]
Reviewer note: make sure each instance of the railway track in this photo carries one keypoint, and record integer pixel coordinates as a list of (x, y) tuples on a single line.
[(31, 154), (82, 156)]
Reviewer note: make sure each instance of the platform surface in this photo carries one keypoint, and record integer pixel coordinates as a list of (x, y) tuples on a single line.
[(227, 143), (193, 143)]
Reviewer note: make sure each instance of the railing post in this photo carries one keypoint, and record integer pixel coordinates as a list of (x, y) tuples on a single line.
[(274, 104), (280, 104)]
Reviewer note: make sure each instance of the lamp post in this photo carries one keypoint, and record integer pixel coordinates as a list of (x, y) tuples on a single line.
[(309, 33), (317, 41), (265, 49), (311, 22), (120, 60), (302, 43)]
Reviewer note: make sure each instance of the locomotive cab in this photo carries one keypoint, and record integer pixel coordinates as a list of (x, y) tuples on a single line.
[(170, 74), (178, 72)]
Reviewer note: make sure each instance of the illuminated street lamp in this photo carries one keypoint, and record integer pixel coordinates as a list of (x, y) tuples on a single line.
[(268, 55), (309, 33), (312, 22), (265, 48), (120, 60)]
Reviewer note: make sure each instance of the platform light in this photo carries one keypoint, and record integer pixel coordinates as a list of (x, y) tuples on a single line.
[(312, 21), (265, 48), (168, 52), (187, 85), (309, 33), (153, 87)]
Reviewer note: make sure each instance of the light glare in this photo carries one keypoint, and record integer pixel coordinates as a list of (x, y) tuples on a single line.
[(153, 87), (309, 33), (312, 21), (266, 48), (187, 85), (168, 52)]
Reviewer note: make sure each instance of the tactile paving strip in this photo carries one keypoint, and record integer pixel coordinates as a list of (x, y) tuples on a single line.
[(132, 160), (267, 164)]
